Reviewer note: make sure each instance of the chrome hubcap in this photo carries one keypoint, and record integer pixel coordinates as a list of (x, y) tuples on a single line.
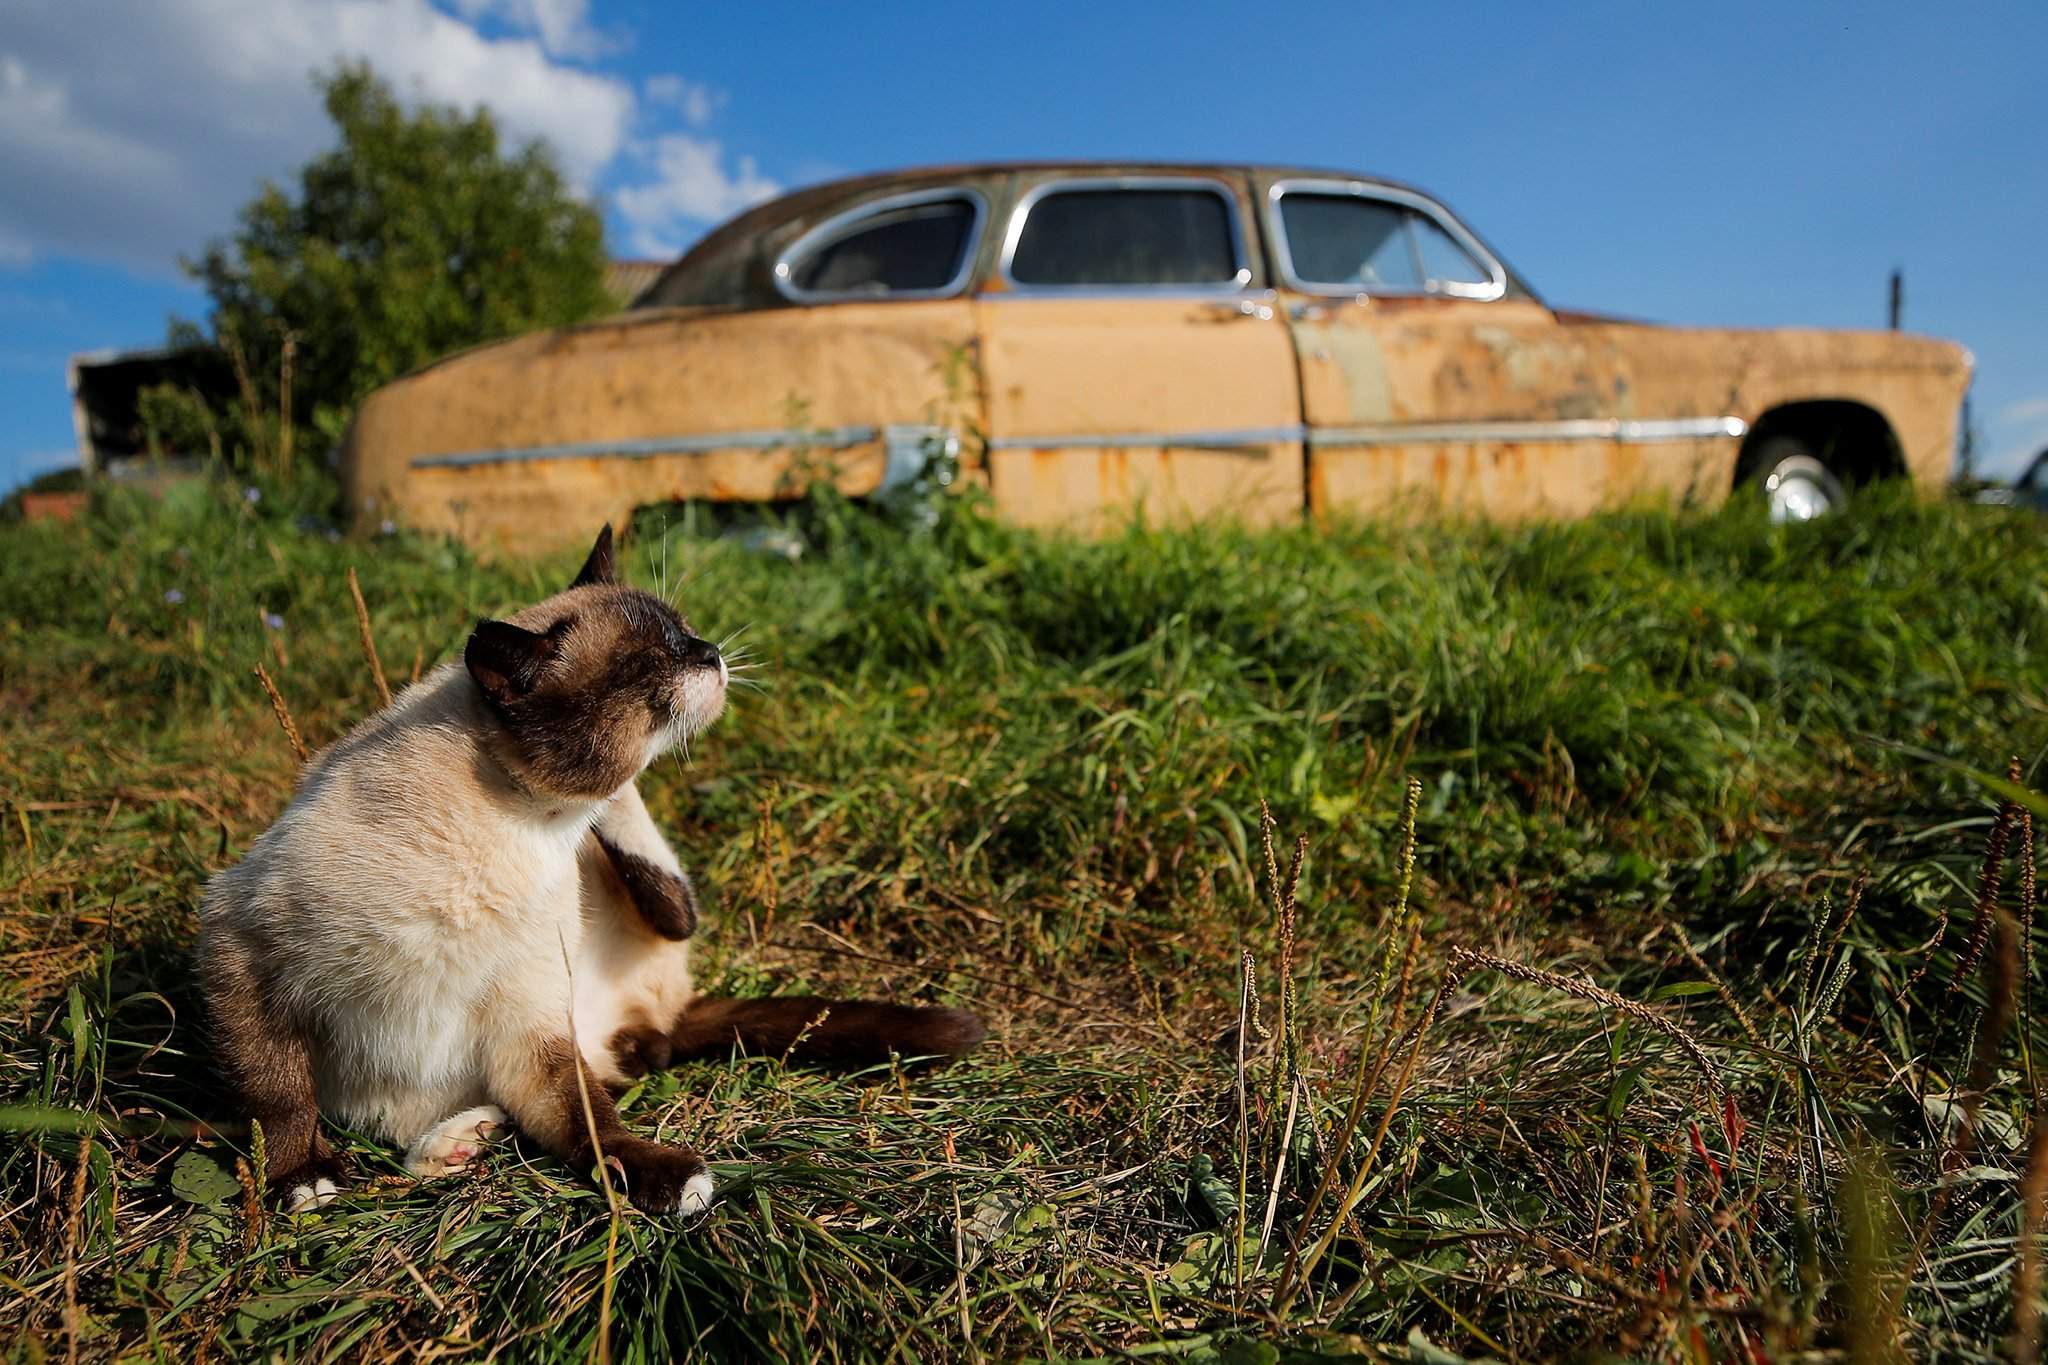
[(1795, 495)]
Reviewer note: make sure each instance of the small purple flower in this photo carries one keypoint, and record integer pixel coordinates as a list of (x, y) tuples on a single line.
[(387, 527), (273, 620), (252, 495), (173, 596)]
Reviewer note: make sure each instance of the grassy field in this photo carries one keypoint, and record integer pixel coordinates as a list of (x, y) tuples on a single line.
[(1638, 989)]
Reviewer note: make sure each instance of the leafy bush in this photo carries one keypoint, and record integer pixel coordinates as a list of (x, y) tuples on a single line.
[(417, 235)]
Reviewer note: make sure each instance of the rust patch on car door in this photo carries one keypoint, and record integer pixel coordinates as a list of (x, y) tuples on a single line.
[(1479, 384)]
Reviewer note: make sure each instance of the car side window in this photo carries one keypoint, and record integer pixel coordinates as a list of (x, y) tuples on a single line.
[(1129, 237), (921, 247), (1356, 242), (1443, 260), (1341, 239)]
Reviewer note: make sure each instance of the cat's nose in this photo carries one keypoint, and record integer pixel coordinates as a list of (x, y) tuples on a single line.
[(701, 653)]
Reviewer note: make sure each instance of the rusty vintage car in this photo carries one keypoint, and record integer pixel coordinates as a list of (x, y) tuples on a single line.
[(1103, 341)]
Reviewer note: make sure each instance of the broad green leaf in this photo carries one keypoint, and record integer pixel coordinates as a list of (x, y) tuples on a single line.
[(201, 1178)]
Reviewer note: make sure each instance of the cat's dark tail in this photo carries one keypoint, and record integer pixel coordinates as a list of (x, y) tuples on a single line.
[(807, 1028)]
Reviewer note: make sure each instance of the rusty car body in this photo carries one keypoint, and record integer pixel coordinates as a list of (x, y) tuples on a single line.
[(1102, 341)]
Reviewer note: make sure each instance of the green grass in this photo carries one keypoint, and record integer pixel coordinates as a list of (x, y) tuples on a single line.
[(1026, 773)]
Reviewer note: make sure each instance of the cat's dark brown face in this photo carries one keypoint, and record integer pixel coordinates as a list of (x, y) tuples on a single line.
[(595, 683)]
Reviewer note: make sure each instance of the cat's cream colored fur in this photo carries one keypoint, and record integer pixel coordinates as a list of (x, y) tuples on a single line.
[(427, 918), (466, 916), (432, 917)]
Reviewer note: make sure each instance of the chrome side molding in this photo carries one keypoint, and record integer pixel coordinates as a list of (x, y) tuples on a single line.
[(649, 447), (906, 445), (1623, 431)]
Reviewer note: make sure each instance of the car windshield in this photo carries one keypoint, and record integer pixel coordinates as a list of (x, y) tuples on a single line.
[(1128, 237)]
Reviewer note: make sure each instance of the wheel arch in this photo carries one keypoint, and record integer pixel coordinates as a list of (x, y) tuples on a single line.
[(1854, 440)]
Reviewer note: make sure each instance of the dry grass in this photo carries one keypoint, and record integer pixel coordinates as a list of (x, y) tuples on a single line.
[(1597, 1006)]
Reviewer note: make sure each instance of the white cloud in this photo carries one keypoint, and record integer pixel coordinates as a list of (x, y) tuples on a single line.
[(690, 190), (130, 130), (563, 25), (698, 103)]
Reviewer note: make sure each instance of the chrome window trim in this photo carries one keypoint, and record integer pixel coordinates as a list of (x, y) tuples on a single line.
[(837, 225), (1256, 299), (1283, 259), (1215, 185)]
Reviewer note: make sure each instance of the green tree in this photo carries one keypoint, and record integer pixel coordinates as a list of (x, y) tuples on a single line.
[(417, 235)]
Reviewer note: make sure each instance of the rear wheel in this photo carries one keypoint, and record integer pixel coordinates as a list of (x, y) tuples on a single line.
[(1795, 483)]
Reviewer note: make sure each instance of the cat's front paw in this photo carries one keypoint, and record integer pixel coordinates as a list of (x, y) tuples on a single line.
[(313, 1185), (664, 1179), (307, 1195), (454, 1142)]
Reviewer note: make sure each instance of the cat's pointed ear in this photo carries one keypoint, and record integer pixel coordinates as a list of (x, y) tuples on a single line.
[(602, 566), (506, 661)]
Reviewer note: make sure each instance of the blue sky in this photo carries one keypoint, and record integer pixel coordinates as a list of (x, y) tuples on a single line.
[(1730, 164)]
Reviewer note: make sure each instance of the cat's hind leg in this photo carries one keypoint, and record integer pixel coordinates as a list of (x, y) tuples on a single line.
[(270, 1063), (454, 1142), (558, 1100)]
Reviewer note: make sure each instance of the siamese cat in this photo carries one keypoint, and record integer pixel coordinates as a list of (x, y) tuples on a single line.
[(466, 920)]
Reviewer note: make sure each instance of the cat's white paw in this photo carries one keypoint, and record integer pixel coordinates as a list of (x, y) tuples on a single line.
[(317, 1195), (454, 1142), (696, 1195)]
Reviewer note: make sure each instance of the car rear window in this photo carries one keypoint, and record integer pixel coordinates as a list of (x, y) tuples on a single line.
[(1127, 237), (1352, 241), (905, 248)]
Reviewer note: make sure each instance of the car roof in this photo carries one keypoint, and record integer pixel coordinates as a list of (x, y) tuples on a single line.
[(802, 202), (724, 253)]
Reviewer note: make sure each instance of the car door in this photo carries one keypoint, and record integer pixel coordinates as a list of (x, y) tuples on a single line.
[(1133, 361), (1431, 380)]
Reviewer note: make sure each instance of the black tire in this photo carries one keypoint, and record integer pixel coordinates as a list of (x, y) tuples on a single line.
[(1793, 482)]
